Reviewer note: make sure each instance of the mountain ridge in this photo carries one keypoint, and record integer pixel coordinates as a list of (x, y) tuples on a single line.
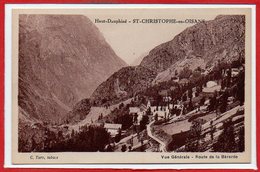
[(206, 42), (60, 63)]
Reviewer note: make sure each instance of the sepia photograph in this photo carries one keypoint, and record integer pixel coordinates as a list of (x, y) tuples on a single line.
[(165, 81)]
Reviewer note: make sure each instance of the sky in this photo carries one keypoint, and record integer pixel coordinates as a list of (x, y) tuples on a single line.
[(131, 41), (138, 40)]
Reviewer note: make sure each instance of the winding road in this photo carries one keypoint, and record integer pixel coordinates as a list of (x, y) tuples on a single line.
[(162, 147)]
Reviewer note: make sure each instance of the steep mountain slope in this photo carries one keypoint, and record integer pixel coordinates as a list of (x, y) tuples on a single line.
[(62, 59), (200, 45), (123, 84), (220, 38)]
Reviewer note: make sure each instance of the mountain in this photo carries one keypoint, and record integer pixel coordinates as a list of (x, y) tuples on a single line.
[(139, 59), (220, 38), (62, 59), (200, 45), (123, 84)]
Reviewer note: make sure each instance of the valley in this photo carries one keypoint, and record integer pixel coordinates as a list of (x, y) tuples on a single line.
[(186, 95)]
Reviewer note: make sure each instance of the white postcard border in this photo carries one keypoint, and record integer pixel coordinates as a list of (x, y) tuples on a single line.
[(8, 89)]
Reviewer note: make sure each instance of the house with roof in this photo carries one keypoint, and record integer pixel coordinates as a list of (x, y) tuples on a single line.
[(134, 110), (161, 111), (137, 113), (175, 79), (143, 107), (183, 81), (172, 88), (211, 88), (167, 98), (163, 92), (113, 129), (234, 72), (194, 90), (148, 104), (205, 72)]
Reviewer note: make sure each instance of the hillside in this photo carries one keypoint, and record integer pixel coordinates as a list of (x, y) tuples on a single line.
[(221, 38), (201, 45), (60, 63), (122, 85)]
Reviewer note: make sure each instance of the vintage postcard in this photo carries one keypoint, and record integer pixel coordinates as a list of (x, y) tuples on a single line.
[(131, 85)]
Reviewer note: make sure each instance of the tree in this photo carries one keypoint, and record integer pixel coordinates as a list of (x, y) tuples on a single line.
[(60, 136), (22, 145), (212, 103), (156, 117), (185, 73), (123, 148), (199, 69), (159, 99), (228, 81), (176, 72), (202, 101), (178, 112), (109, 148), (121, 105), (223, 103), (190, 94), (144, 121), (192, 142), (118, 136), (212, 130), (126, 120), (236, 63), (88, 139), (223, 84), (34, 144), (184, 97), (135, 118), (241, 141), (190, 106), (72, 133), (241, 88), (205, 83), (226, 140), (149, 112), (142, 149)]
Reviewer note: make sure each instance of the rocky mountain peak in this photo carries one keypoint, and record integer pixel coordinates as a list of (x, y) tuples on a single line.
[(62, 59)]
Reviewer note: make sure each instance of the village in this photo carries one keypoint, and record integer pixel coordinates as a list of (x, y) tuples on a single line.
[(181, 117), (154, 126)]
